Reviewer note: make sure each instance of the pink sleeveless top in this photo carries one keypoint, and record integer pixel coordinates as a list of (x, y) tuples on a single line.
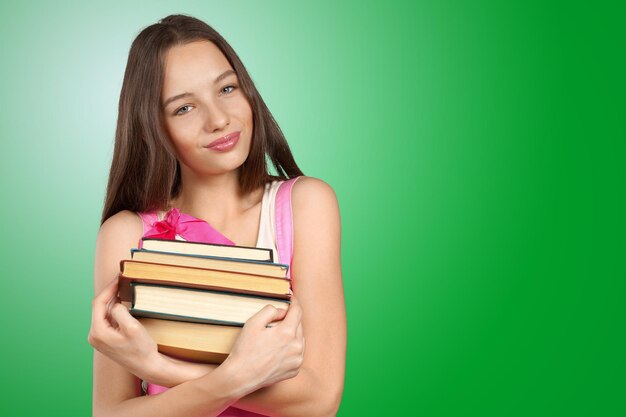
[(275, 232)]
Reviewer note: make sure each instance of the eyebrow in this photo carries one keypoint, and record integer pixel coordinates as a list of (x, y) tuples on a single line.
[(217, 80)]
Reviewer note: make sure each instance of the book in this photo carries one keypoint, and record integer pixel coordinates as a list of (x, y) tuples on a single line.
[(191, 277), (210, 262), (208, 249), (197, 305), (182, 326), (195, 342)]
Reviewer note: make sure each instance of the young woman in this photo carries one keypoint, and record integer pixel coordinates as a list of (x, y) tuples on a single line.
[(193, 139)]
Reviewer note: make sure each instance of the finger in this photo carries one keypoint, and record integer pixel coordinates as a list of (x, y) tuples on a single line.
[(266, 315), (101, 302), (300, 332), (109, 290), (105, 296), (294, 315), (123, 318), (102, 333)]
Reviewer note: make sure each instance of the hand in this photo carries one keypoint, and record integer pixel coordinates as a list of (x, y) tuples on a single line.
[(119, 336), (270, 354)]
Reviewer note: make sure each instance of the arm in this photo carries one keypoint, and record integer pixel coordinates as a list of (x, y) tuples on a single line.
[(116, 390), (260, 356), (316, 275)]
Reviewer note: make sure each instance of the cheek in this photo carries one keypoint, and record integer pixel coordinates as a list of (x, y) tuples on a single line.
[(181, 135), (249, 121), (243, 110)]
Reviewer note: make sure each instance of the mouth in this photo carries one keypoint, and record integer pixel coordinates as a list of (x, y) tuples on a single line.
[(225, 142)]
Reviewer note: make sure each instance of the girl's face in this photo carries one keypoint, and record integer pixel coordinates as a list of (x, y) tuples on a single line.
[(206, 114)]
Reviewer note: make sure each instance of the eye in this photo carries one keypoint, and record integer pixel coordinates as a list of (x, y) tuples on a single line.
[(178, 112), (229, 88)]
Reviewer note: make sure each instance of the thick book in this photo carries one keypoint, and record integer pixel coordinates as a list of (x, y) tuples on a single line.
[(153, 273), (199, 306), (275, 270), (208, 249), (195, 342)]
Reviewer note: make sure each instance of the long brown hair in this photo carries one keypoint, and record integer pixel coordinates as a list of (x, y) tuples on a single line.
[(145, 174)]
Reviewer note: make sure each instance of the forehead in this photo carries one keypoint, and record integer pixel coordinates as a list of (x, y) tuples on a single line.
[(188, 66)]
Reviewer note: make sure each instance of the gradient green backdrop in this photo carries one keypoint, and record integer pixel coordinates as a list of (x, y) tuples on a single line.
[(477, 150)]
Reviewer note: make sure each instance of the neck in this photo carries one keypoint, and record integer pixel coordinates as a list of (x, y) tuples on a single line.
[(214, 198)]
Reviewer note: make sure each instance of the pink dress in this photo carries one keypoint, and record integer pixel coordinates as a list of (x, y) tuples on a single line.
[(275, 232)]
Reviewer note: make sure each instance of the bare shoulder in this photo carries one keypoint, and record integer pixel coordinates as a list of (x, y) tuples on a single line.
[(116, 237), (120, 229), (120, 224), (316, 217), (310, 194)]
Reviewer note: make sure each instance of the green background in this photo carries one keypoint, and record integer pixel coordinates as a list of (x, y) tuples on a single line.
[(477, 150)]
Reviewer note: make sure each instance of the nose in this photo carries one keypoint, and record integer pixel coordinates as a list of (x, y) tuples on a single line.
[(217, 118)]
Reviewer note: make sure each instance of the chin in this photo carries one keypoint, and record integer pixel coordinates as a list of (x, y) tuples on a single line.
[(225, 167)]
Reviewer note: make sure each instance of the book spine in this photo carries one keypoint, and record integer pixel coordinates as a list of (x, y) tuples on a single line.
[(125, 291), (190, 319)]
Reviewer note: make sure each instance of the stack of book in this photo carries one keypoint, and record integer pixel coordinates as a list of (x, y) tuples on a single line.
[(193, 298)]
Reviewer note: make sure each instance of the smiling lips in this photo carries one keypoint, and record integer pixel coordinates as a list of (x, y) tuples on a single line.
[(225, 143)]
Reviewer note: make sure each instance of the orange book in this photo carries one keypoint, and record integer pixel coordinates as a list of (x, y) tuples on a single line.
[(190, 277)]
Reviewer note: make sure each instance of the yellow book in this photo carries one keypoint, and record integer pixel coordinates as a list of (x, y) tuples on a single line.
[(195, 342)]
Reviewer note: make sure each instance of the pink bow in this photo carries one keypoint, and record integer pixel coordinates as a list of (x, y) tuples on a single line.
[(190, 228)]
